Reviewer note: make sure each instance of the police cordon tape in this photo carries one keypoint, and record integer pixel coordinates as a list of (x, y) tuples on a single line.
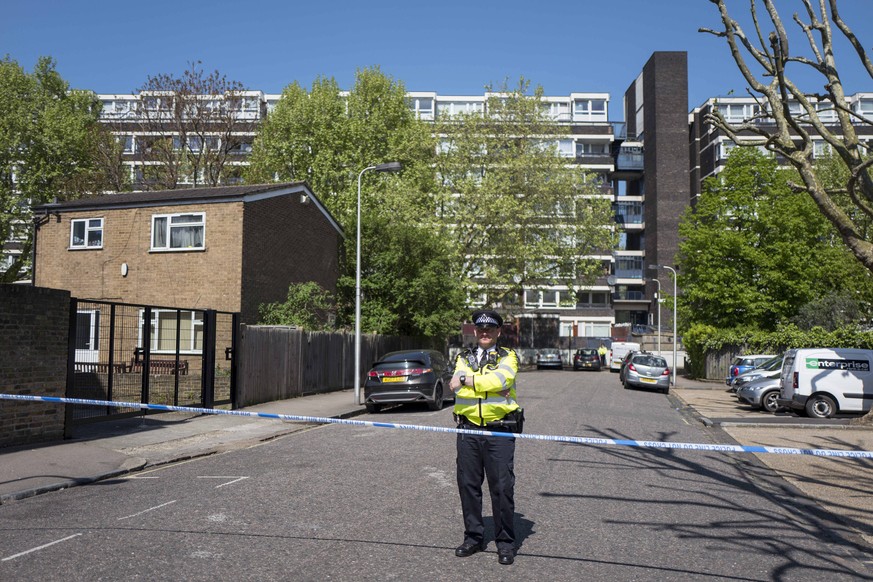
[(538, 437)]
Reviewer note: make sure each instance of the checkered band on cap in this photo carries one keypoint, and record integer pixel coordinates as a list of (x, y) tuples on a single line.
[(487, 318)]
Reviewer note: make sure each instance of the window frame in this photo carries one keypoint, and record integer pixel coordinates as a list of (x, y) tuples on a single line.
[(88, 229), (169, 232), (194, 333)]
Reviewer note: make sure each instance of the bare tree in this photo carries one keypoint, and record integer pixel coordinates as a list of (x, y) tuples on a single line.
[(191, 128), (791, 117)]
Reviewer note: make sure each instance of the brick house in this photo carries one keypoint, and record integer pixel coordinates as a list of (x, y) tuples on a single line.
[(227, 248)]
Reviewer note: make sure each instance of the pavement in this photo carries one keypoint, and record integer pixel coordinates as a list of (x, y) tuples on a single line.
[(103, 450)]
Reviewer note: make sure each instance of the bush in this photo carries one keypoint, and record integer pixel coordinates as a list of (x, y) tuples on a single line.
[(701, 340)]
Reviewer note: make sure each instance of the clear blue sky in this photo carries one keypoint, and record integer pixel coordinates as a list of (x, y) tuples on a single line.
[(450, 47)]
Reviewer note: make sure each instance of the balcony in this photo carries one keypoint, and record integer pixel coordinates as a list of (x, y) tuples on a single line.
[(629, 273), (629, 296), (629, 161)]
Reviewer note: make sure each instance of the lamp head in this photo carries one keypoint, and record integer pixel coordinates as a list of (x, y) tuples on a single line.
[(388, 167)]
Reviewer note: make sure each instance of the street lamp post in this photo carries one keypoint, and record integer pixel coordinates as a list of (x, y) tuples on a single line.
[(675, 315), (658, 299), (387, 167)]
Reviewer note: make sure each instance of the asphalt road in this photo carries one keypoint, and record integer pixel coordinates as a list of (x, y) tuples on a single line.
[(365, 503)]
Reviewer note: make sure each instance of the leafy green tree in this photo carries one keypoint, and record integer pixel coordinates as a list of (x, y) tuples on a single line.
[(308, 306), (754, 251), (837, 309), (519, 214), (49, 141), (406, 283), (327, 137)]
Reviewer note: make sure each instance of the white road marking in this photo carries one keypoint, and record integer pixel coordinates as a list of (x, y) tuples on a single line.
[(18, 555), (147, 510), (234, 479)]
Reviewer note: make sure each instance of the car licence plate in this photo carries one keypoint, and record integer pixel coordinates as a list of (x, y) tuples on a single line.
[(394, 379), (648, 380)]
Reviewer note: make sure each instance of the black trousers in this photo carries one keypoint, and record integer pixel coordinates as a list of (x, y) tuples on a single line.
[(491, 457)]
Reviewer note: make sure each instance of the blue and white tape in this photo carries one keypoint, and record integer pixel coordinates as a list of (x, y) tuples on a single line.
[(538, 437)]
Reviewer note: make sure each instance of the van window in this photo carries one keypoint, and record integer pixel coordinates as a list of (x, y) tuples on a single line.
[(787, 364)]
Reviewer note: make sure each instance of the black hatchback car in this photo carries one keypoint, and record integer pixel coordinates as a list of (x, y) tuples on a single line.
[(408, 376), (586, 359)]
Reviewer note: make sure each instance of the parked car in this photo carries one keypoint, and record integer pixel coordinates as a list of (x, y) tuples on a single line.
[(549, 358), (743, 364), (618, 352), (586, 359), (769, 369), (624, 363), (646, 370), (408, 376), (761, 393)]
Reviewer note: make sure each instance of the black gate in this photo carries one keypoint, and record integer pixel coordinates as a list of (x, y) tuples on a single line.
[(147, 354)]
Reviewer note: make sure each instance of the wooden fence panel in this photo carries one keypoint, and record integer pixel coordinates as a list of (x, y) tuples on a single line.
[(278, 362)]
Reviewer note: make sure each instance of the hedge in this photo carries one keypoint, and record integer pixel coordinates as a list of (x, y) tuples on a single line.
[(701, 340)]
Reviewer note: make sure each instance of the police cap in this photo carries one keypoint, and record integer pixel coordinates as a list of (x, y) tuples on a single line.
[(487, 318)]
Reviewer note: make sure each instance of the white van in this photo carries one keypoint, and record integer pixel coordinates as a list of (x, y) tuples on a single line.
[(619, 351), (825, 381)]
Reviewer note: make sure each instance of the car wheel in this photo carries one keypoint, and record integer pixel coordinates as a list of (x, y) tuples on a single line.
[(820, 406), (665, 390), (372, 407), (768, 401), (625, 385), (437, 402)]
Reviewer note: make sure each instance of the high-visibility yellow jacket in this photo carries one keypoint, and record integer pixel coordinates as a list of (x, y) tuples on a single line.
[(492, 395)]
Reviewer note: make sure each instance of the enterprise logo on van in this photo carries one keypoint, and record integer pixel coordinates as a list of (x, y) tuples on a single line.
[(825, 364)]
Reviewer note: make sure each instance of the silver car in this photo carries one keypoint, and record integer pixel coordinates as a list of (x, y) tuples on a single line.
[(647, 371), (549, 358), (761, 393), (769, 369)]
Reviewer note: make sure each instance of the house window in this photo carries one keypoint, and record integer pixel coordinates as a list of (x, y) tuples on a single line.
[(546, 298), (241, 148), (421, 106), (126, 142), (589, 109), (178, 231), (565, 148), (168, 325), (86, 233), (864, 107), (591, 149), (821, 149), (557, 110)]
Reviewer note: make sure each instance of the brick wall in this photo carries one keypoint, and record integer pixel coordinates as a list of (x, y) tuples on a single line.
[(34, 324), (667, 182), (301, 246), (207, 278), (252, 252)]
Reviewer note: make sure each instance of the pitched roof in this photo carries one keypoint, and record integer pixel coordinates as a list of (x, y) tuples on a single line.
[(164, 197), (183, 196)]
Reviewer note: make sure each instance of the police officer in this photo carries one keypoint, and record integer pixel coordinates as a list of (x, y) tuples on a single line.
[(484, 387)]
